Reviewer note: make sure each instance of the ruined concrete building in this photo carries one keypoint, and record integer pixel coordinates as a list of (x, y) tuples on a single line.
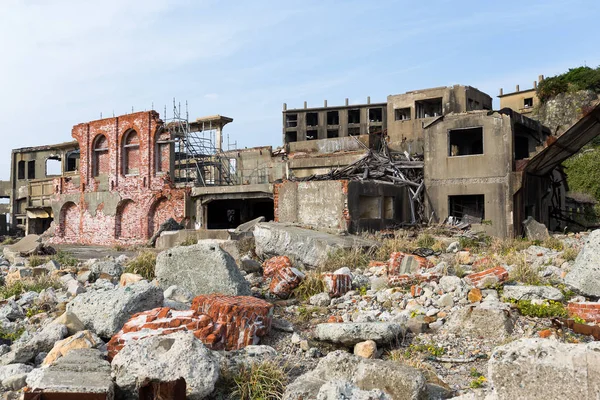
[(125, 176)]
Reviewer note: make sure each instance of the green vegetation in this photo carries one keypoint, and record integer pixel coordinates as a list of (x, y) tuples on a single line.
[(570, 253), (65, 259), (578, 320), (427, 348), (305, 313), (553, 243), (36, 261), (8, 241), (352, 258), (144, 265), (29, 285), (581, 78), (260, 381), (522, 271), (425, 240), (11, 336), (474, 373), (477, 383), (189, 242), (312, 284), (548, 309), (583, 173)]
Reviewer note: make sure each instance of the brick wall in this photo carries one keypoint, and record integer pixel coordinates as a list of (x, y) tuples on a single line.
[(589, 311), (126, 157)]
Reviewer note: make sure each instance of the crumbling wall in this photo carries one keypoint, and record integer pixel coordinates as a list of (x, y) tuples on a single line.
[(122, 194)]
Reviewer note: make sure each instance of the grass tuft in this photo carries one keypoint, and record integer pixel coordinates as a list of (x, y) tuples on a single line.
[(27, 285), (65, 259), (570, 254), (522, 271), (260, 381), (36, 261), (548, 309), (425, 240), (312, 284), (352, 258), (144, 264)]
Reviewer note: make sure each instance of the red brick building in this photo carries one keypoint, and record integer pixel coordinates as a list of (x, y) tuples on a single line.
[(124, 188)]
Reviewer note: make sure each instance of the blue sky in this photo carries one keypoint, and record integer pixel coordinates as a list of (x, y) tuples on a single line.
[(66, 61)]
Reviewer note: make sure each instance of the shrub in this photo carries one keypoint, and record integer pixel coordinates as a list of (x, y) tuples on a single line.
[(65, 259), (260, 381), (8, 241), (189, 242), (312, 284), (548, 309), (144, 265), (399, 242), (477, 383), (581, 78)]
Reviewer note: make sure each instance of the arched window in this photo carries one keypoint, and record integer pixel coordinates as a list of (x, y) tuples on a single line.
[(127, 222), (131, 153), (68, 225), (100, 161)]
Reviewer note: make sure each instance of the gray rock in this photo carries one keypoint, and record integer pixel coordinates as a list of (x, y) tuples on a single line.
[(445, 300), (6, 371), (15, 382), (74, 288), (52, 265), (231, 361), (351, 333), (535, 230), (491, 320), (454, 247), (178, 294), (80, 370), (451, 283), (106, 267), (397, 380), (545, 369), (249, 265), (320, 299), (248, 227), (584, 276), (282, 325), (167, 358), (105, 311), (43, 341), (532, 292), (27, 298), (201, 269), (305, 246), (11, 311), (342, 390)]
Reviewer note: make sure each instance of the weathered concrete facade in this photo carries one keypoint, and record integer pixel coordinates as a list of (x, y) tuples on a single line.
[(341, 205), (124, 189), (521, 101)]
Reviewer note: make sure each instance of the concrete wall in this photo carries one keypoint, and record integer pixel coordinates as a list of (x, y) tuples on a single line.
[(306, 165), (489, 173), (318, 204), (407, 135), (385, 205), (516, 101), (257, 165)]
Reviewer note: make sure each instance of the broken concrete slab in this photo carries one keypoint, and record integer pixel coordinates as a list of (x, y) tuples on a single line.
[(584, 276), (80, 371), (350, 334), (491, 320), (105, 311), (545, 369), (535, 230), (29, 245), (518, 292), (201, 269), (305, 246), (40, 342)]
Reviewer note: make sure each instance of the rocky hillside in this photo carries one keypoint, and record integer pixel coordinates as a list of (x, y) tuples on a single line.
[(562, 111), (297, 314)]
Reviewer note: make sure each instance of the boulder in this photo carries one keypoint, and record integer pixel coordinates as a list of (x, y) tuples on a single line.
[(105, 311), (491, 320), (28, 246), (396, 380), (367, 349), (517, 292), (178, 294), (43, 341), (103, 268), (80, 340), (71, 321), (129, 278), (167, 358), (535, 230), (336, 390), (305, 246), (15, 382), (249, 265), (351, 333), (11, 311), (584, 276), (545, 369), (6, 371), (451, 283), (201, 269), (80, 371), (320, 299)]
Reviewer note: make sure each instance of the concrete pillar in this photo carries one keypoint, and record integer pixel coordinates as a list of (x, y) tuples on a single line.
[(368, 99), (324, 103), (347, 101), (219, 138), (305, 104), (501, 92), (517, 88), (284, 106)]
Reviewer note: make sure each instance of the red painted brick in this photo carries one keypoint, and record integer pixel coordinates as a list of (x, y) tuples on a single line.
[(273, 264), (590, 312), (337, 284), (285, 281), (477, 279)]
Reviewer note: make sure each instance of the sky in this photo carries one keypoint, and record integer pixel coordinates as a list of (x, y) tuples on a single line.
[(66, 62)]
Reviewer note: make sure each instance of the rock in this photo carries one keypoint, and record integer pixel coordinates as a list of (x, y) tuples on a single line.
[(342, 390), (249, 265), (28, 246), (26, 299), (71, 321), (80, 371), (84, 276), (244, 319), (350, 334), (445, 300), (320, 300), (168, 225), (397, 380), (231, 361), (179, 294), (248, 227), (285, 281), (454, 247), (107, 267), (105, 311), (491, 320), (282, 325), (74, 288), (6, 371), (535, 230), (464, 257), (129, 278), (407, 264), (25, 273), (52, 265), (167, 358), (474, 295), (487, 278), (201, 269), (43, 341), (338, 283), (584, 276), (11, 311), (450, 283), (305, 246), (81, 340), (15, 382), (545, 369), (514, 292), (366, 349)]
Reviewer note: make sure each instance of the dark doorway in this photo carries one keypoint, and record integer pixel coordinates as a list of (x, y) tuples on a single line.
[(228, 214)]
